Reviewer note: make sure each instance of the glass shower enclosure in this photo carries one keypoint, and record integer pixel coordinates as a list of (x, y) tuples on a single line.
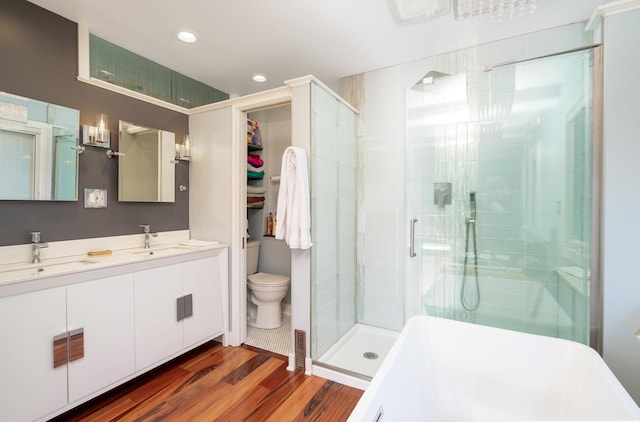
[(484, 209), (499, 179)]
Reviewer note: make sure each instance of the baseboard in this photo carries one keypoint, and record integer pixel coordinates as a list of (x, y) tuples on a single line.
[(292, 362), (340, 377)]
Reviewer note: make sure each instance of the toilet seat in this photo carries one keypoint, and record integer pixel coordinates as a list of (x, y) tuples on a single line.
[(266, 279)]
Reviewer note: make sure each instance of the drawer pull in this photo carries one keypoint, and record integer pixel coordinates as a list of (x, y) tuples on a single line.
[(76, 344), (60, 350)]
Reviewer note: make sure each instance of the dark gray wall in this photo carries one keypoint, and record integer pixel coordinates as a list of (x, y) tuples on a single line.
[(39, 60)]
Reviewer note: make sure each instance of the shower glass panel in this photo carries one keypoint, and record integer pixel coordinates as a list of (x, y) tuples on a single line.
[(333, 211), (517, 140)]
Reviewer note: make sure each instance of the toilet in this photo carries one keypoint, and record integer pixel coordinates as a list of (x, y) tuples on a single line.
[(264, 292)]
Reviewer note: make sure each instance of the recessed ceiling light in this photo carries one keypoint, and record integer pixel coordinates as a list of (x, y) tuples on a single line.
[(259, 77), (186, 36)]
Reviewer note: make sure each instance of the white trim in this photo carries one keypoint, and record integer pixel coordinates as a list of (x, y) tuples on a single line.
[(340, 377), (249, 102), (83, 51), (610, 9), (292, 362), (308, 366), (274, 96), (304, 80), (133, 94)]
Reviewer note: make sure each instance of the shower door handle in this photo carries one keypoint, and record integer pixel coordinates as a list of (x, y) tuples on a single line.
[(412, 237)]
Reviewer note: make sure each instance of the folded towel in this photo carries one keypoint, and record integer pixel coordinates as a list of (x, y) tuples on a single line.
[(256, 205), (251, 167), (255, 195), (255, 174), (256, 189), (252, 199), (199, 243), (255, 160)]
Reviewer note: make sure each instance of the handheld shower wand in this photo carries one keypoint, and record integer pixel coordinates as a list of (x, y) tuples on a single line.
[(470, 224)]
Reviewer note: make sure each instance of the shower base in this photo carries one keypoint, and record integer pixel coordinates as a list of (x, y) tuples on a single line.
[(356, 350)]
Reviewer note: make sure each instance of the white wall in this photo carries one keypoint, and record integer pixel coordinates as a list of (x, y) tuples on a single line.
[(621, 198)]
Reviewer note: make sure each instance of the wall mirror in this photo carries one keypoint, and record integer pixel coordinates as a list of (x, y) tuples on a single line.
[(146, 171), (38, 150)]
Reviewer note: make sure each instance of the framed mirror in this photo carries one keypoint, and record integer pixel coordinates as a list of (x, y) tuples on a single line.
[(146, 171), (38, 150)]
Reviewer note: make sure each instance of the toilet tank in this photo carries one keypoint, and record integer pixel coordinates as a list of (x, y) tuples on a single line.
[(253, 251)]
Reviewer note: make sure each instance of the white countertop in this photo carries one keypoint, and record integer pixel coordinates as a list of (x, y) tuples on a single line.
[(20, 277)]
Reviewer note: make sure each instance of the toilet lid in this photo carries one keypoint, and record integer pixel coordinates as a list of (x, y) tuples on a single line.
[(268, 279)]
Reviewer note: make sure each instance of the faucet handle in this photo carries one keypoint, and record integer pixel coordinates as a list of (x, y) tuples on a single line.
[(35, 237), (146, 227)]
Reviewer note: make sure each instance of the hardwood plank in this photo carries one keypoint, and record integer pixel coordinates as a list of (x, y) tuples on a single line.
[(278, 395), (221, 396), (216, 383), (202, 380), (333, 402), (245, 369), (295, 404)]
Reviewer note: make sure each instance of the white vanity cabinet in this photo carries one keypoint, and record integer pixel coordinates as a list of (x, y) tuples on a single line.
[(103, 310), (60, 345), (177, 307), (67, 338), (29, 385), (203, 279)]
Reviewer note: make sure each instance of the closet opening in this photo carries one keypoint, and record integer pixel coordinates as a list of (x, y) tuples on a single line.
[(268, 260)]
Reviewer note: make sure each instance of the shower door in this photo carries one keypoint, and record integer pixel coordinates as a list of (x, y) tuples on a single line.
[(499, 196)]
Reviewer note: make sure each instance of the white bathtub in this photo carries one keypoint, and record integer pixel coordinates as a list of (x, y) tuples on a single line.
[(443, 370)]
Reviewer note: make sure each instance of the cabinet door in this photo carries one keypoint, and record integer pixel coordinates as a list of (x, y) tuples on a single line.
[(103, 309), (29, 385), (201, 279), (158, 334)]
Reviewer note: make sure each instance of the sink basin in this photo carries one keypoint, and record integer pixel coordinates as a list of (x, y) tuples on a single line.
[(43, 269), (163, 251)]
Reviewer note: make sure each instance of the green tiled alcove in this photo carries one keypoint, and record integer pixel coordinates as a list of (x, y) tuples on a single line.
[(121, 67)]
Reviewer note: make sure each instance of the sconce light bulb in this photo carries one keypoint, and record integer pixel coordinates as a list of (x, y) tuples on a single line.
[(102, 128), (187, 146)]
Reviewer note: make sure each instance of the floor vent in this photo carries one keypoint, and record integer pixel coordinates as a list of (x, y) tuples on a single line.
[(300, 348)]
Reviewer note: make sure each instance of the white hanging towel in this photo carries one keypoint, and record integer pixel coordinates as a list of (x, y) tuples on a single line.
[(293, 214)]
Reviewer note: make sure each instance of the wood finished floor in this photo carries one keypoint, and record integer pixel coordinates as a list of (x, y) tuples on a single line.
[(216, 383)]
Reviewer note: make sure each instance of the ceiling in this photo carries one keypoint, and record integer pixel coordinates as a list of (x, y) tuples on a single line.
[(285, 39)]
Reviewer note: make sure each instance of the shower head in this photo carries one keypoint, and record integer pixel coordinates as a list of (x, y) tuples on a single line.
[(428, 79)]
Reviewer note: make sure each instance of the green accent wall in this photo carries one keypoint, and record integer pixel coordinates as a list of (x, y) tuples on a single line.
[(121, 67)]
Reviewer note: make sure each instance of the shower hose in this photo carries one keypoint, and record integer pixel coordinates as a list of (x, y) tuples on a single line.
[(470, 226)]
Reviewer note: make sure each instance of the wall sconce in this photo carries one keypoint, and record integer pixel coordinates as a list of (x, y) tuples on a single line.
[(183, 150), (111, 154), (98, 135), (78, 148)]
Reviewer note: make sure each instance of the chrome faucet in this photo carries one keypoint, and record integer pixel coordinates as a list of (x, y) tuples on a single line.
[(36, 245), (147, 235)]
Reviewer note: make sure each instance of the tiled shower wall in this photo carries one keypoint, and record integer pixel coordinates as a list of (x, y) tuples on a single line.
[(391, 283)]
